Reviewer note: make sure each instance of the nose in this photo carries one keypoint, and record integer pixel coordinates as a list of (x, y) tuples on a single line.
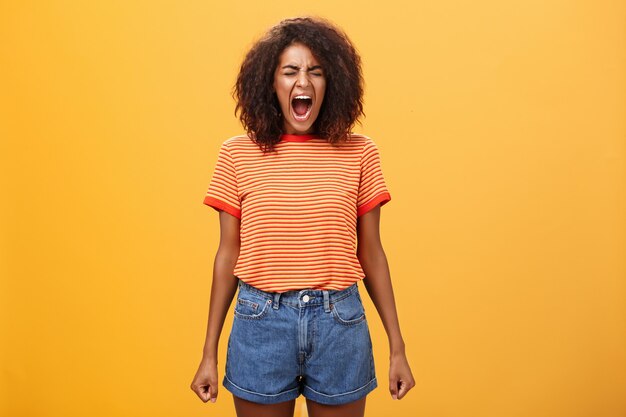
[(303, 79)]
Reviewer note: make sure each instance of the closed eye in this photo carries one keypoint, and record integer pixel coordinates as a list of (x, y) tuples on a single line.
[(317, 74)]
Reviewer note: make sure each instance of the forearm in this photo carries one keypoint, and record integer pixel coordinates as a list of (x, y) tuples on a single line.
[(223, 289), (378, 284)]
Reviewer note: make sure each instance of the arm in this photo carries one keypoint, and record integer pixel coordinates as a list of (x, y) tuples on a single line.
[(224, 284), (378, 285), (223, 289)]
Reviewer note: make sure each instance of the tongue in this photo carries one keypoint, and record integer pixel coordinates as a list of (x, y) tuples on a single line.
[(300, 106)]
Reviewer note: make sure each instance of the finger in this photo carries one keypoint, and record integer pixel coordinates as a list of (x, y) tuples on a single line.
[(393, 388), (213, 393), (404, 388), (204, 393)]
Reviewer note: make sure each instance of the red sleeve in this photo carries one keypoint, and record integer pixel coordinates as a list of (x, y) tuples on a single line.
[(223, 189), (372, 187)]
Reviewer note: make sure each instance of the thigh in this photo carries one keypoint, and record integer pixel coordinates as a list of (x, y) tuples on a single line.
[(352, 409), (245, 408), (340, 368), (262, 354)]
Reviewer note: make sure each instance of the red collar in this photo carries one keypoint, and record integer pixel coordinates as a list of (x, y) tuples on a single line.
[(297, 138)]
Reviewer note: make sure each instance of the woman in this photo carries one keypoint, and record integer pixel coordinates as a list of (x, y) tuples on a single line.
[(293, 196)]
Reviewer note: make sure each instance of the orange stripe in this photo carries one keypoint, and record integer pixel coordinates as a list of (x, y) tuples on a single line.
[(298, 208)]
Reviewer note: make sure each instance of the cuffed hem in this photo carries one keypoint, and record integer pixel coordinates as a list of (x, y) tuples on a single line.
[(338, 399), (257, 397), (382, 199), (221, 205)]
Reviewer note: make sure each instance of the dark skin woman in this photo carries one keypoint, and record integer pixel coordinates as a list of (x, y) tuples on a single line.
[(307, 58)]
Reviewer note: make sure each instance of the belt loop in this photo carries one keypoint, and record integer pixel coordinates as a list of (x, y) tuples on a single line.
[(326, 301), (276, 300)]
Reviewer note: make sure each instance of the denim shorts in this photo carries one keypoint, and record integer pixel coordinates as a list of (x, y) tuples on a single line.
[(311, 342)]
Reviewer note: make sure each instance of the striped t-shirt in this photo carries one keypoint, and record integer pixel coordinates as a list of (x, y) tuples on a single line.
[(298, 208)]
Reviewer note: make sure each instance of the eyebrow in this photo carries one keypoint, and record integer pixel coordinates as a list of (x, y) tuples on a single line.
[(296, 67)]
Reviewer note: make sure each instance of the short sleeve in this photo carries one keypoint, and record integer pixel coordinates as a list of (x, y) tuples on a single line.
[(223, 188), (372, 187)]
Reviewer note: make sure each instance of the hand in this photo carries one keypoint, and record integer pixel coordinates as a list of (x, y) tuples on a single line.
[(400, 376), (205, 382)]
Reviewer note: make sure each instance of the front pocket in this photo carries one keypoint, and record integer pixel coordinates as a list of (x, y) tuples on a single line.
[(251, 308), (348, 311)]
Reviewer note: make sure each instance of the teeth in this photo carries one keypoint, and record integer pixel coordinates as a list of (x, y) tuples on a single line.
[(302, 97)]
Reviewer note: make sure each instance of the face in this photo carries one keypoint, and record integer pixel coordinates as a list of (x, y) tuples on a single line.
[(299, 83)]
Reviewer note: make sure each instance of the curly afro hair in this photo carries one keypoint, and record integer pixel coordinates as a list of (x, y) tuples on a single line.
[(258, 104)]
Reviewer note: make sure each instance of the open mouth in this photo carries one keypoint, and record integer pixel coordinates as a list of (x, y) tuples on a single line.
[(301, 107)]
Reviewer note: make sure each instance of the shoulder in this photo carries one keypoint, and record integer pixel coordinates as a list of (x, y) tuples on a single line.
[(237, 146), (362, 139), (359, 137), (365, 143), (236, 140)]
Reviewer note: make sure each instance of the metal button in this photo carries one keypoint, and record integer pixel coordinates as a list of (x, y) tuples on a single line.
[(305, 298)]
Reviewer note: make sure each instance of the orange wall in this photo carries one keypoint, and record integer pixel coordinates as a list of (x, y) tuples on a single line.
[(501, 127)]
